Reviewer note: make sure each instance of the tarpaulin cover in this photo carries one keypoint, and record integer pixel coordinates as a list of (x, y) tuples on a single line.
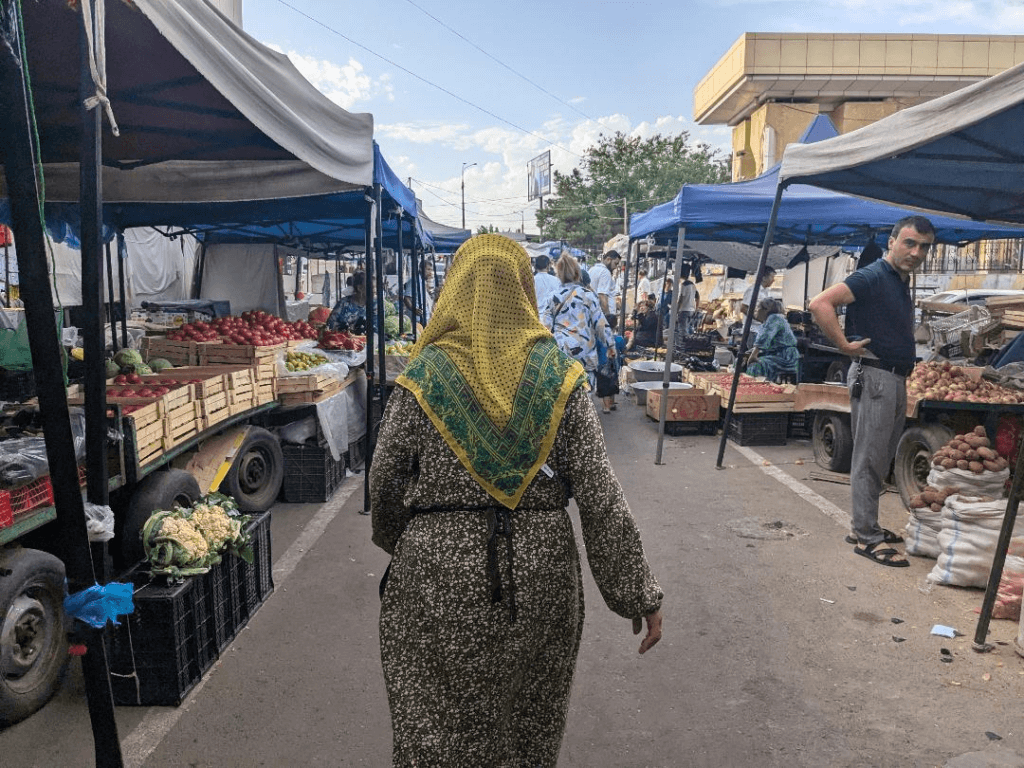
[(807, 215), (962, 153), (205, 112)]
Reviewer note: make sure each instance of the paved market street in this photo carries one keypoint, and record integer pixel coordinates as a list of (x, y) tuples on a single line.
[(779, 649)]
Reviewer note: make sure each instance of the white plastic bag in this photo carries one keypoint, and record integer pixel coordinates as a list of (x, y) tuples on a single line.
[(923, 528), (967, 541), (332, 367), (984, 484), (99, 522)]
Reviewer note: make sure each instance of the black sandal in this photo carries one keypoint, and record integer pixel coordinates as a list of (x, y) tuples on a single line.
[(882, 556), (889, 537)]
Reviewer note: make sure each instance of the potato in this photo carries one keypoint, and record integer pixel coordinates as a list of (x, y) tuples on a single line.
[(984, 452), (972, 440), (957, 455), (936, 507), (948, 464), (972, 455), (916, 502), (991, 466), (929, 496), (963, 464), (980, 431), (976, 467), (963, 446)]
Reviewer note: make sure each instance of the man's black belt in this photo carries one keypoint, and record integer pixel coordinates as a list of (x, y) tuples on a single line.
[(899, 370)]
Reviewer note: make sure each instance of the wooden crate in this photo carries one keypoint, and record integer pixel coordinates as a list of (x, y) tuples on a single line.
[(176, 352), (314, 396), (813, 397), (215, 408), (686, 405), (265, 392), (183, 422), (204, 379), (238, 354), (756, 391), (265, 369), (306, 382)]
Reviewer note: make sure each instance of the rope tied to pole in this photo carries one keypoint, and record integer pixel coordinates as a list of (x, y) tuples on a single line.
[(97, 41)]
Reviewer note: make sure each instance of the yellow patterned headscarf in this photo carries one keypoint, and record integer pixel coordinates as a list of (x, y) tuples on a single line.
[(488, 373)]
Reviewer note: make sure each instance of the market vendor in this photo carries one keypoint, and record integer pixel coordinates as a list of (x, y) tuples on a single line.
[(766, 282), (774, 352), (349, 314), (645, 324)]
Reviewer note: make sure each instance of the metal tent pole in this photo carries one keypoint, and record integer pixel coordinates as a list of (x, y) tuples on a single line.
[(673, 320), (761, 264), (122, 262), (111, 305)]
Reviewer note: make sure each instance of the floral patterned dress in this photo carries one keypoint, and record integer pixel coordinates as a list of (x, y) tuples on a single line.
[(575, 318), (468, 684)]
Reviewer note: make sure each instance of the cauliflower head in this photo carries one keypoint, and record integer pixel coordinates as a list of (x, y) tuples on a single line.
[(216, 527)]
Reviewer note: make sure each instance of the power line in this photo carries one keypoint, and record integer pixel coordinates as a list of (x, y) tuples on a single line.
[(423, 79), (499, 61)]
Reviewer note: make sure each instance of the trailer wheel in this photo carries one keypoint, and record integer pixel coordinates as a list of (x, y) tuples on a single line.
[(914, 457), (33, 638), (257, 473), (164, 489), (837, 371), (832, 440)]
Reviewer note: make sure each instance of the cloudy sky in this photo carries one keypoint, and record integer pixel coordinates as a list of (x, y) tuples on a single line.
[(496, 83)]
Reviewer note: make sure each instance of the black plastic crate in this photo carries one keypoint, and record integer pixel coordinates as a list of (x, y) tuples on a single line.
[(310, 473), (759, 428), (225, 613), (355, 457), (799, 425), (161, 650), (252, 583)]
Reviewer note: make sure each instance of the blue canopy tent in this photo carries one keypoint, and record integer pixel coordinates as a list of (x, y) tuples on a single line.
[(755, 212), (962, 153)]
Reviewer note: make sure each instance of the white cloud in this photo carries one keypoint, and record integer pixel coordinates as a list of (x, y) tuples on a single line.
[(496, 185)]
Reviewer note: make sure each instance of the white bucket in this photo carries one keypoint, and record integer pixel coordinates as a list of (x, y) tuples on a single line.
[(641, 388), (654, 370)]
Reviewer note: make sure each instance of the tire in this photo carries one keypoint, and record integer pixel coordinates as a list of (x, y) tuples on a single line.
[(832, 440), (257, 473), (33, 633), (837, 371), (164, 489), (914, 457)]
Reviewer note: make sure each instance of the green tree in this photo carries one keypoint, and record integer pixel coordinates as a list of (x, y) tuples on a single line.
[(486, 229), (624, 171)]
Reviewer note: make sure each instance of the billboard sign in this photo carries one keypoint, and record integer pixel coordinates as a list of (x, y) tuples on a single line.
[(538, 177)]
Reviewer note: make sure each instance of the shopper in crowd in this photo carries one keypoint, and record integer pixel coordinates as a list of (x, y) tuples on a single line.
[(544, 282), (602, 279), (665, 303), (687, 305), (879, 336), (643, 285), (486, 435), (766, 282), (774, 352), (646, 325), (574, 316)]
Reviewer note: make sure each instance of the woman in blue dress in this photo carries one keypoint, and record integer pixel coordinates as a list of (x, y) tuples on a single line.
[(774, 352)]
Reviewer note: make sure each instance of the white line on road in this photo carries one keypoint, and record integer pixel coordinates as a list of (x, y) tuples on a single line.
[(841, 516), (158, 722)]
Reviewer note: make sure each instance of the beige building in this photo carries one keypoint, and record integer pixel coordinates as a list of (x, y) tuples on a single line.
[(769, 86)]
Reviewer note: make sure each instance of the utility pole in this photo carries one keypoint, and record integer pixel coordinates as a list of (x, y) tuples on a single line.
[(464, 167)]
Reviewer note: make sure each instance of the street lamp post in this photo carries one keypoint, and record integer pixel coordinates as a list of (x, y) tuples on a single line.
[(464, 167)]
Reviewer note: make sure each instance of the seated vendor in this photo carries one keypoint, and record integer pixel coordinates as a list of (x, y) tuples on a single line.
[(774, 352), (349, 314), (645, 324)]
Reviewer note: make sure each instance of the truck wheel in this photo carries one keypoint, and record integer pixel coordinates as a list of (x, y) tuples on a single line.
[(33, 638), (914, 457), (832, 441), (256, 475), (837, 371), (164, 489)]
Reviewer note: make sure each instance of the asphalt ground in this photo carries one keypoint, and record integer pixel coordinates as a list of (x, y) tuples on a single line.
[(781, 647)]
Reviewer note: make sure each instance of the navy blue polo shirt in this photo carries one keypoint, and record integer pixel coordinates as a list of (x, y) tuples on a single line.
[(883, 312)]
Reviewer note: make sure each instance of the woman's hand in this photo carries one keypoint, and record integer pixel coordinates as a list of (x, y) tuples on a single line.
[(653, 630)]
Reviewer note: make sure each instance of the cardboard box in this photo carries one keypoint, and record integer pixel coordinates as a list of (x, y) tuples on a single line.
[(686, 405)]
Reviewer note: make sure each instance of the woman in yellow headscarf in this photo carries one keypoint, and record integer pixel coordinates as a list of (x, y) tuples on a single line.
[(488, 433)]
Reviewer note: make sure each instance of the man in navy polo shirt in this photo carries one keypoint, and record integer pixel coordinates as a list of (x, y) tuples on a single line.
[(879, 336)]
